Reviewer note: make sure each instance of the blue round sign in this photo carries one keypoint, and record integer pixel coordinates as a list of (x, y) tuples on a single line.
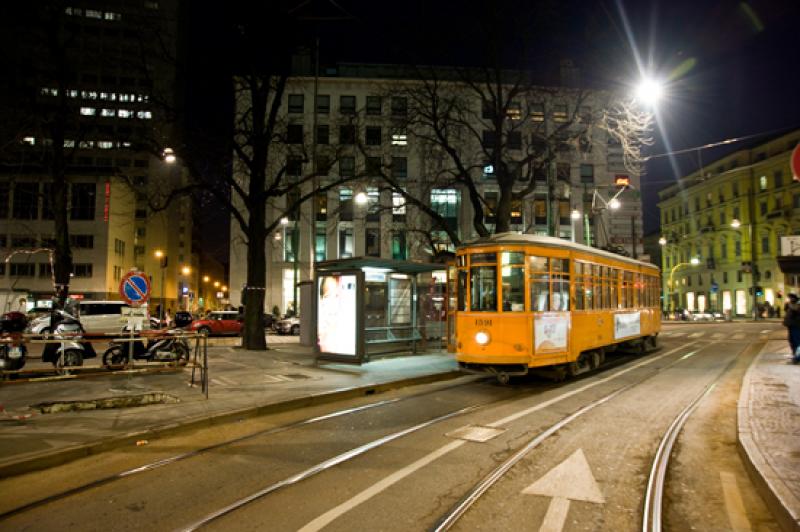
[(135, 288)]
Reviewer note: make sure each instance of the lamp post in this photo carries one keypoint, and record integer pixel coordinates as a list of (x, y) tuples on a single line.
[(754, 274), (574, 216), (693, 262), (186, 270), (162, 258)]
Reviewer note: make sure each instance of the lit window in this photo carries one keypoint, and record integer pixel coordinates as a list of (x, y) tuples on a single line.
[(88, 111), (72, 93), (124, 97), (29, 141), (399, 137), (398, 204), (104, 96), (69, 143), (125, 113), (560, 113), (145, 115), (762, 182), (108, 112), (86, 144), (514, 112), (89, 95), (48, 91), (105, 144), (125, 144), (112, 16), (537, 112), (93, 13)]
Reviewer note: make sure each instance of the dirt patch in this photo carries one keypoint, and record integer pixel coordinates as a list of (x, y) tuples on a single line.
[(103, 403)]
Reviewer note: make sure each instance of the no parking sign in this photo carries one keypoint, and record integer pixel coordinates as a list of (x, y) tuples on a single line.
[(135, 288)]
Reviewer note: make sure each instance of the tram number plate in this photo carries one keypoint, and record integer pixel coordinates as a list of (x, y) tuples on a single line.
[(483, 323)]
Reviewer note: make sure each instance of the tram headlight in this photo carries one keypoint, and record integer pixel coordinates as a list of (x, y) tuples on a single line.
[(482, 337)]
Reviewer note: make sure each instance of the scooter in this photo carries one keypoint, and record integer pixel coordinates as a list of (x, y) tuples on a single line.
[(13, 352), (70, 351), (170, 348)]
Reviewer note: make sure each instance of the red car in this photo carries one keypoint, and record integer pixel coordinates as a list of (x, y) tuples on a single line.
[(219, 322)]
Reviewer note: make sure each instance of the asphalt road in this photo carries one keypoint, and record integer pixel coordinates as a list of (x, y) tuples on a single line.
[(404, 459)]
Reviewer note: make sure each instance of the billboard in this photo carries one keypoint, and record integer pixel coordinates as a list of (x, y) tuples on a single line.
[(336, 314)]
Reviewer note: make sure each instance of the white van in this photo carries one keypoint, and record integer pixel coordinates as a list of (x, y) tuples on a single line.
[(95, 316)]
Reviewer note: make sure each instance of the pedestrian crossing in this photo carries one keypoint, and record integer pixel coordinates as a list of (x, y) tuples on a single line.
[(718, 336)]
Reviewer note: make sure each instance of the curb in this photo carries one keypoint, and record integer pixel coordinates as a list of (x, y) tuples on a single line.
[(61, 456), (768, 483)]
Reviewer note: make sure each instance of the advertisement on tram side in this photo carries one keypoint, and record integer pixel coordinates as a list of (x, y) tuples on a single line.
[(627, 324), (551, 332)]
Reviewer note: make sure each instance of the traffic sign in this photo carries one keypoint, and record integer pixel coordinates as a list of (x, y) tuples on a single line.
[(796, 162), (714, 287), (135, 288)]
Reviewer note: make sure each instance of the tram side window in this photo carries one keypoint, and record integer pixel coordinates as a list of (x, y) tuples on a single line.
[(560, 274), (627, 289), (513, 270), (579, 286), (539, 271), (613, 284), (483, 285), (462, 290), (601, 281)]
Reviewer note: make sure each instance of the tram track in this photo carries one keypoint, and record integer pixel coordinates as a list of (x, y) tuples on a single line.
[(362, 449)]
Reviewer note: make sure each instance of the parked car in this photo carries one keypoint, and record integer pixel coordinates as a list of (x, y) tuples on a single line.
[(183, 318), (288, 325), (94, 316), (701, 315), (218, 322)]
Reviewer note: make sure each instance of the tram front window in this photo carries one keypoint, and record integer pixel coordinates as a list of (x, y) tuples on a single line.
[(513, 281), (483, 288)]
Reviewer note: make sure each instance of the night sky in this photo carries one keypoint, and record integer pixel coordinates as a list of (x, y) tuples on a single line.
[(732, 67)]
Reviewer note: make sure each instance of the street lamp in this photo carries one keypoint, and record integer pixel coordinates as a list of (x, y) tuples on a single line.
[(649, 91), (169, 155), (162, 258), (693, 262), (574, 216)]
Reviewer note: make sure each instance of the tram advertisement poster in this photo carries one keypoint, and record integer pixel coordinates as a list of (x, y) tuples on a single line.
[(336, 314), (628, 324), (550, 332)]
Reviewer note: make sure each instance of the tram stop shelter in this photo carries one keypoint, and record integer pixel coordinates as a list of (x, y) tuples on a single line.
[(367, 306)]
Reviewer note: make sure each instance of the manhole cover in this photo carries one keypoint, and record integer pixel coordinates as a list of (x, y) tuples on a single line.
[(475, 433)]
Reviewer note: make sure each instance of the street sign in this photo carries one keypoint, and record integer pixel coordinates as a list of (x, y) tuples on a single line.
[(714, 287), (796, 163), (135, 288)]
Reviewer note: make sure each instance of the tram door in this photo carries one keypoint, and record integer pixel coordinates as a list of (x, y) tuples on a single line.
[(450, 306)]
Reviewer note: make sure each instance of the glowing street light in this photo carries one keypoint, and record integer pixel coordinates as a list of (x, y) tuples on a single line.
[(614, 204), (361, 198), (186, 270), (649, 91), (169, 155), (736, 224), (662, 241)]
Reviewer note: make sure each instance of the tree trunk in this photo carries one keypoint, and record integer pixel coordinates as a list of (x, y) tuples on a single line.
[(253, 336)]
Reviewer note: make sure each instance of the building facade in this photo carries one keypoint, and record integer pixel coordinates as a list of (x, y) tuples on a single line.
[(359, 120), (721, 229), (97, 96)]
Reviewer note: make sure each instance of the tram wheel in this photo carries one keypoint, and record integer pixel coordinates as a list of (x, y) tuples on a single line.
[(503, 378)]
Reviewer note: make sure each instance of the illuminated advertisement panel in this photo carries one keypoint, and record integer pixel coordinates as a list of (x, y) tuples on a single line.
[(336, 314)]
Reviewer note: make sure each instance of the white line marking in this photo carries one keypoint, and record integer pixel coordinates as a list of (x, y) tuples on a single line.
[(766, 331), (733, 503), (717, 336), (332, 514), (556, 515), (696, 335)]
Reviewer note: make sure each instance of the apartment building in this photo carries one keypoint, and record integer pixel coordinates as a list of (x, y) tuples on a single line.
[(721, 230), (357, 126)]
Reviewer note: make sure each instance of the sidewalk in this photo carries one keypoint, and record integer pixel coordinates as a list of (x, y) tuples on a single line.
[(769, 429), (242, 384)]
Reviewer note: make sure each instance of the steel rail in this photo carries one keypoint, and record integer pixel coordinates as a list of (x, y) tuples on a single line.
[(465, 503)]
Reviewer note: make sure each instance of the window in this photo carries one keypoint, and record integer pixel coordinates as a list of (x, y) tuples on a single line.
[(294, 134), (537, 112), (347, 166), (513, 280), (4, 197), (22, 270), (347, 105), (490, 207), (399, 167), (483, 282), (323, 164), (321, 206), (446, 203), (399, 106), (291, 238), (88, 111), (45, 269), (320, 242), (119, 247), (765, 245), (399, 137), (562, 171), (294, 165), (323, 104), (296, 103), (323, 134), (398, 207), (347, 134), (560, 113), (82, 270), (81, 241), (372, 241), (373, 136), (777, 177), (762, 208), (26, 201), (23, 241), (514, 140), (514, 111), (735, 190), (762, 183), (587, 173), (83, 199), (345, 242), (488, 138), (399, 247), (374, 105), (374, 165), (722, 218), (737, 248), (725, 277), (723, 249), (346, 204)]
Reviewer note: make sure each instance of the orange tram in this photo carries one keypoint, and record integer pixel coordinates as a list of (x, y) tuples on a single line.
[(525, 302)]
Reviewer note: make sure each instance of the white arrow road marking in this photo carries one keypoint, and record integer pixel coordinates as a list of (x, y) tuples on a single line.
[(572, 480), (733, 503)]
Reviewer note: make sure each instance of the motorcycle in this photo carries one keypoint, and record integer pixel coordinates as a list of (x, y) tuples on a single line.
[(13, 352), (71, 351), (169, 348)]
